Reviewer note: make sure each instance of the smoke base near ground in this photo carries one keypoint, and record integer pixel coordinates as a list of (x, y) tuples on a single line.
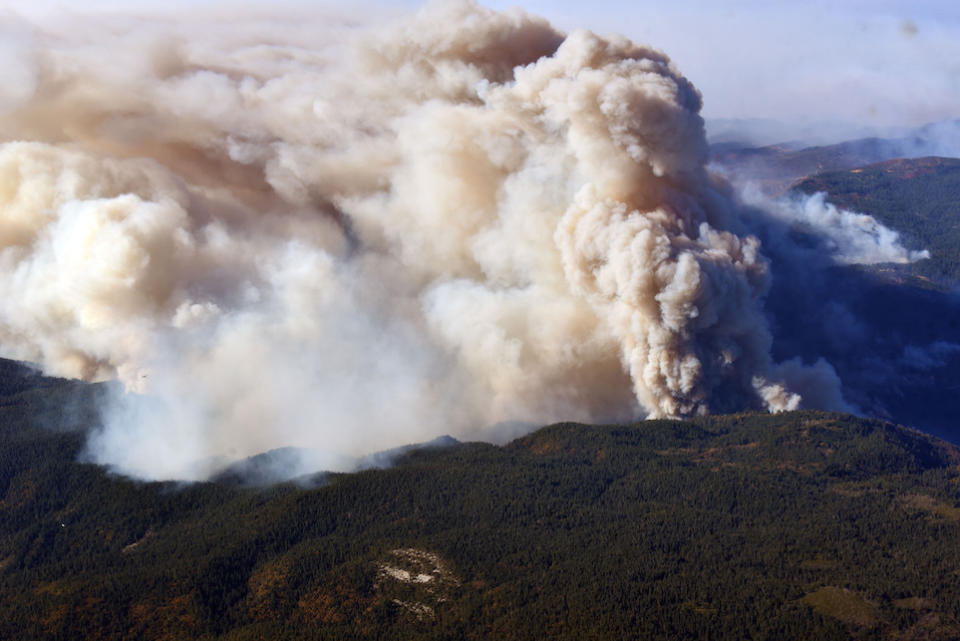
[(348, 238)]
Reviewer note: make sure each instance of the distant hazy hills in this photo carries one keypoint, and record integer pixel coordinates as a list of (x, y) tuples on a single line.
[(797, 526), (774, 168)]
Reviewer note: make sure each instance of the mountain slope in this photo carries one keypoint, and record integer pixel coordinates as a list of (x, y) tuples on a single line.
[(776, 167), (920, 198), (803, 525)]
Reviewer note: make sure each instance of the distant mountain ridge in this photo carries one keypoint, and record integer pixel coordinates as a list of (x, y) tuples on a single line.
[(774, 168), (301, 464)]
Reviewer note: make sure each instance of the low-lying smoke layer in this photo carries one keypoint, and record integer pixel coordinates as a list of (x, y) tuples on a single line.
[(454, 221)]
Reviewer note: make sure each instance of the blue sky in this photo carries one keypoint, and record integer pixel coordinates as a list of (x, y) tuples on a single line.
[(876, 62)]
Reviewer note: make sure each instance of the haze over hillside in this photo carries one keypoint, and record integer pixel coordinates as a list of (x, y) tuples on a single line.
[(886, 315)]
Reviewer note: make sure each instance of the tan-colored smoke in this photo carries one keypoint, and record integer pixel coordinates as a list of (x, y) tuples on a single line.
[(352, 238)]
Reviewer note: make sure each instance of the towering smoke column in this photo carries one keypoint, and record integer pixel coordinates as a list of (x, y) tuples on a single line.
[(455, 220)]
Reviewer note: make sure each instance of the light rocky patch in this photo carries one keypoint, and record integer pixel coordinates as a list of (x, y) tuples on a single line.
[(422, 611), (843, 604), (133, 546), (914, 603), (414, 566), (417, 581), (929, 504)]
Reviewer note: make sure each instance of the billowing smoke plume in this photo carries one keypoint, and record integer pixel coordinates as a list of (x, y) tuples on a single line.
[(349, 239)]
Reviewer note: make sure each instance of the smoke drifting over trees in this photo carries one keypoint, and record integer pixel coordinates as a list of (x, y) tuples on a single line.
[(350, 238)]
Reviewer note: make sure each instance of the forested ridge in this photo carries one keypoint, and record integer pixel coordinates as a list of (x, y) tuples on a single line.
[(804, 525)]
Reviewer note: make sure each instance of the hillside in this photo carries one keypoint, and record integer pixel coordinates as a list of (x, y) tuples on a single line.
[(892, 341), (774, 168), (920, 198), (802, 525)]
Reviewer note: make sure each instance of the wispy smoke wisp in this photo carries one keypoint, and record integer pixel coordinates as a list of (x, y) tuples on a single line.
[(459, 219)]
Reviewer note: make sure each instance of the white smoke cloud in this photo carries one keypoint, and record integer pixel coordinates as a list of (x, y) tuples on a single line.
[(453, 221), (847, 237)]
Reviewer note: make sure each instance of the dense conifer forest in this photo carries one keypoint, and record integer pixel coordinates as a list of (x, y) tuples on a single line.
[(804, 525)]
